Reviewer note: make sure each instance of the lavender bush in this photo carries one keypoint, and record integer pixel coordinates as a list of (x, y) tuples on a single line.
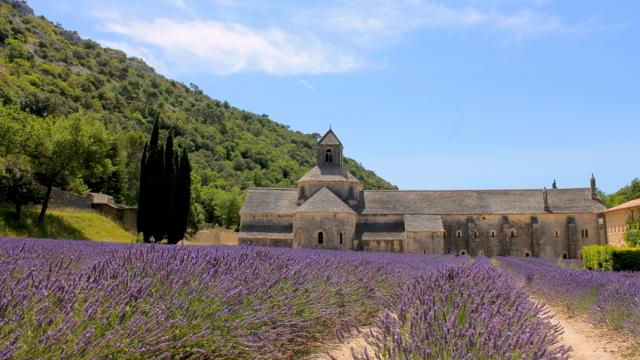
[(64, 299), (611, 298), (86, 300), (467, 311)]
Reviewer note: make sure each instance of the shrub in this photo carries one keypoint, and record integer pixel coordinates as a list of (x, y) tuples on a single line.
[(609, 258), (632, 235)]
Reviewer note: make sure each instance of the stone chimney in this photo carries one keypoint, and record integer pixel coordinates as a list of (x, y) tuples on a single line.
[(545, 199)]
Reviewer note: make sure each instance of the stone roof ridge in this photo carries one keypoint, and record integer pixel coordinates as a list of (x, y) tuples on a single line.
[(328, 174), (475, 190), (324, 200), (271, 188), (330, 138)]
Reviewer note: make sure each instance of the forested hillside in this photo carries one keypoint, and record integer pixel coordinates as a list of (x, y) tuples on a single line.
[(49, 72)]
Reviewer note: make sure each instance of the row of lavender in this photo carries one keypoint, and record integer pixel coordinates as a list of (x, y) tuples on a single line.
[(66, 299), (468, 311), (610, 298)]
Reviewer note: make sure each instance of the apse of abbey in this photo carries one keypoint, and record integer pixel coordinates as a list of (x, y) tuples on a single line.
[(330, 209)]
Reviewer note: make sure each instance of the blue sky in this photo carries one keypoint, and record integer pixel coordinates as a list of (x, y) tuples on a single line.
[(429, 94)]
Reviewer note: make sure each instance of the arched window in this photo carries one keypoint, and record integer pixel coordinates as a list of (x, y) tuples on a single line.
[(328, 156), (475, 234), (480, 253), (527, 254), (320, 237), (557, 233), (513, 233), (340, 238), (564, 256), (493, 233), (458, 234)]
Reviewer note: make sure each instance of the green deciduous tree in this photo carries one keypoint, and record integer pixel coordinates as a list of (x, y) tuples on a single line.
[(627, 193), (63, 149), (18, 188)]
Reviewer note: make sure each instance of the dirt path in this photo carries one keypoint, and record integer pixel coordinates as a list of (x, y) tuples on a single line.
[(342, 351), (587, 341), (591, 342)]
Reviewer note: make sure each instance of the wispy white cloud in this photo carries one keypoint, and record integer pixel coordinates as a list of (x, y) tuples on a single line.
[(328, 37), (226, 48), (381, 21), (182, 4), (306, 84)]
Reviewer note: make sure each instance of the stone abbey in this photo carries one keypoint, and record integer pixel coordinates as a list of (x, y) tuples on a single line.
[(331, 210)]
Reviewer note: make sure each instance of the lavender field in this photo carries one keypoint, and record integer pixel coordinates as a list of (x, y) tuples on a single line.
[(88, 300)]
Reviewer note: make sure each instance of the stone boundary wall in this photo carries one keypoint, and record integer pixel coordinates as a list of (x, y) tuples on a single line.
[(63, 199), (215, 236), (103, 204), (125, 216)]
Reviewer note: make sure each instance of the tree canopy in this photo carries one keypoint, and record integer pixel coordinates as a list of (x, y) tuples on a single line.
[(626, 193)]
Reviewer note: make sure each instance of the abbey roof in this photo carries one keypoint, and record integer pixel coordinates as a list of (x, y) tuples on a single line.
[(329, 138), (439, 202), (324, 201), (499, 202), (328, 174)]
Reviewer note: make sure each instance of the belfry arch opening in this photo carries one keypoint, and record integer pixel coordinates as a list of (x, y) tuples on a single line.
[(328, 156), (320, 237)]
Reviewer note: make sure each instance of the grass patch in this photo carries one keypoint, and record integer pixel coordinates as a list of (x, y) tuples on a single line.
[(63, 224)]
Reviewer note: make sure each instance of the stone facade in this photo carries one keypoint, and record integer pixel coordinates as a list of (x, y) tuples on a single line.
[(616, 220), (331, 210)]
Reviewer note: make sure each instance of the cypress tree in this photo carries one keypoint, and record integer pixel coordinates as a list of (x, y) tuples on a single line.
[(156, 200), (151, 174), (182, 198), (167, 194), (142, 196), (164, 199)]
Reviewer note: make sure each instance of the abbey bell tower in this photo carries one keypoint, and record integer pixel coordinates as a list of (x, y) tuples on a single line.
[(330, 173), (329, 151)]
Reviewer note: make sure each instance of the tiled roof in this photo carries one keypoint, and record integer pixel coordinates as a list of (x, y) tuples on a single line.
[(628, 204), (451, 202), (435, 202), (423, 223), (330, 138), (270, 200), (328, 174), (324, 201)]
